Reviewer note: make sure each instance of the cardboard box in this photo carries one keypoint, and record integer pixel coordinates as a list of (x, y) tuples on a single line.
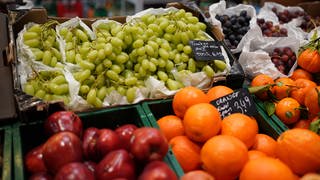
[(312, 8), (7, 105)]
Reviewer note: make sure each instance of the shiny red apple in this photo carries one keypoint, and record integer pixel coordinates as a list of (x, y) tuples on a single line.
[(148, 144), (74, 171), (157, 170), (89, 142), (60, 149), (63, 121), (41, 176), (116, 164), (107, 141), (125, 132), (34, 160)]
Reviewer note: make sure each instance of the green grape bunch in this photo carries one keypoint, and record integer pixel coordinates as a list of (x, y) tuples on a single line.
[(77, 44), (42, 41), (48, 86)]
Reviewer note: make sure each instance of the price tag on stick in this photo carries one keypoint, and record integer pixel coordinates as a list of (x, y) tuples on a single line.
[(240, 101), (206, 50)]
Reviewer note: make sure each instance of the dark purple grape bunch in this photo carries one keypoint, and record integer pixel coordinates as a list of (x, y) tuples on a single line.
[(283, 59), (270, 30), (286, 16), (234, 27), (309, 23)]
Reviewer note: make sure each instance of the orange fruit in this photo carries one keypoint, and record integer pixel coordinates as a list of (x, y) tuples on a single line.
[(187, 97), (201, 122), (302, 123), (261, 80), (299, 149), (240, 126), (301, 73), (186, 152), (309, 60), (218, 91), (224, 156), (283, 87), (265, 144), (266, 168), (302, 85), (254, 154), (287, 110), (197, 174), (171, 126), (311, 100)]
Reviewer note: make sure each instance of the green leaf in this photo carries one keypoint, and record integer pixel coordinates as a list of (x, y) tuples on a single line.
[(270, 107), (314, 36), (315, 126), (258, 89), (289, 114), (279, 84)]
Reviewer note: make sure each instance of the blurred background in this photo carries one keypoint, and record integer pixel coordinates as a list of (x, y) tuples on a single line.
[(100, 8)]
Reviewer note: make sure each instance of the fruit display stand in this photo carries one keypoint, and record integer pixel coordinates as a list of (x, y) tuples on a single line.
[(6, 152), (28, 136)]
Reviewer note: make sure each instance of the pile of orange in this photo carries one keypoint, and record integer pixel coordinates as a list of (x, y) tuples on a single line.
[(209, 147), (296, 98)]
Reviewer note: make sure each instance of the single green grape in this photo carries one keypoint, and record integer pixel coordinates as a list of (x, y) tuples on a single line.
[(131, 94), (208, 70), (47, 56), (192, 65), (40, 94), (28, 89), (221, 65), (81, 35), (84, 89), (91, 96), (112, 75), (35, 43), (162, 76), (102, 92)]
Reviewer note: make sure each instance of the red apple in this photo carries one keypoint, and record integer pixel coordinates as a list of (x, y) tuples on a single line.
[(107, 141), (157, 170), (116, 164), (63, 121), (89, 142), (41, 176), (148, 144), (125, 132), (90, 165), (34, 160), (74, 171), (60, 149)]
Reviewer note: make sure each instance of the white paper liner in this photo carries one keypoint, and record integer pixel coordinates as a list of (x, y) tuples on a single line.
[(255, 58)]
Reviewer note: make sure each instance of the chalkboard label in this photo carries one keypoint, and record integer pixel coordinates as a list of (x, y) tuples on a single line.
[(240, 101), (206, 50)]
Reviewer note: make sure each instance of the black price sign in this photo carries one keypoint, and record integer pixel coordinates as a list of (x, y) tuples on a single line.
[(240, 101), (206, 50)]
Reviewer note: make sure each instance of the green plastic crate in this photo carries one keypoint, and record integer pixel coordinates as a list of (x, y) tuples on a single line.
[(273, 117), (159, 108), (28, 136), (6, 141)]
